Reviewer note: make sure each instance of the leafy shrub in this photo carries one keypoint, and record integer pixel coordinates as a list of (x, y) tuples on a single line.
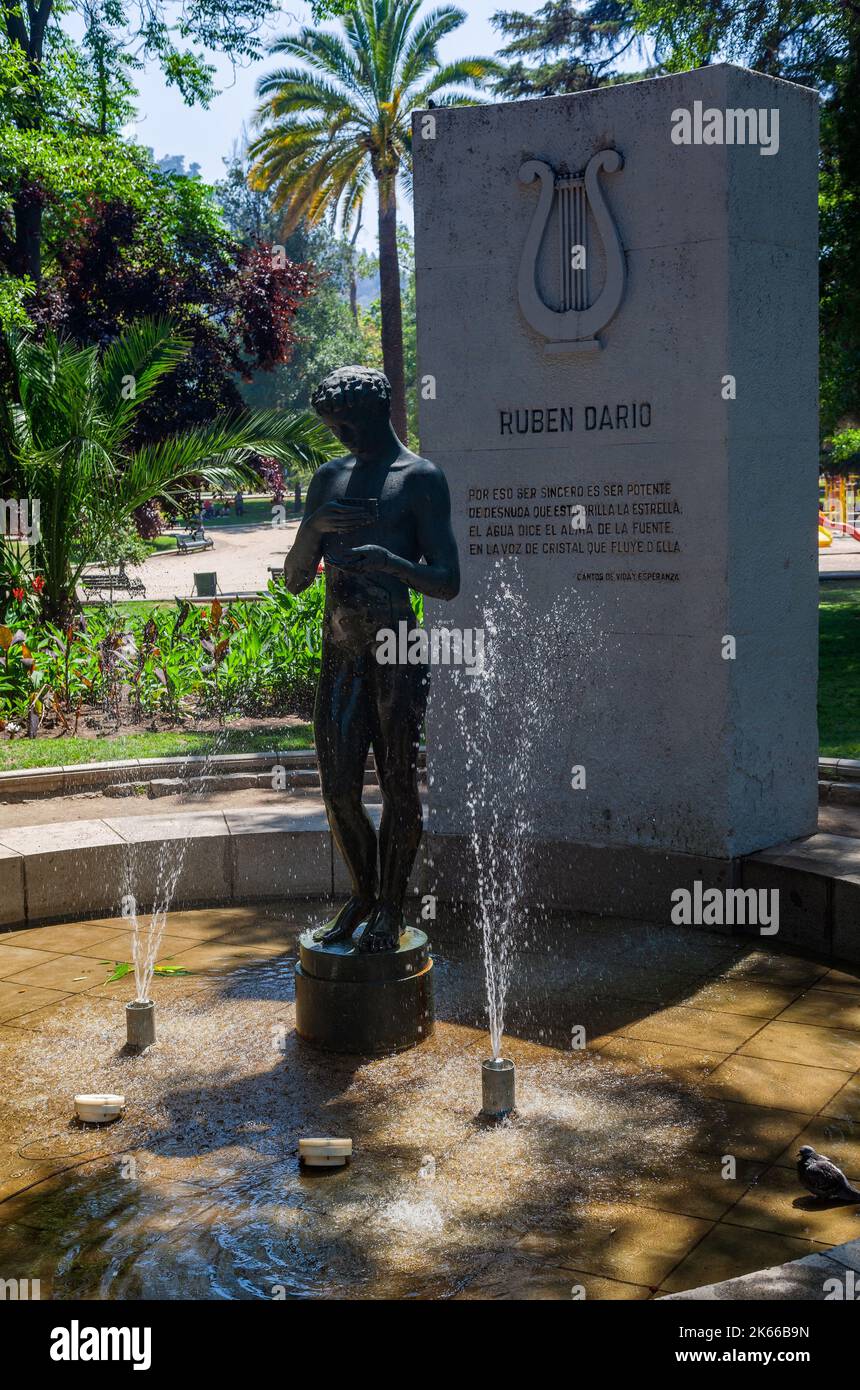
[(253, 658)]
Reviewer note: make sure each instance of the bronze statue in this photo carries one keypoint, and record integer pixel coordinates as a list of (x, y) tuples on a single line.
[(381, 520)]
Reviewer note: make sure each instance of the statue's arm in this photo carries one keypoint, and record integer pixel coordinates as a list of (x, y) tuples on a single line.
[(439, 576), (302, 562)]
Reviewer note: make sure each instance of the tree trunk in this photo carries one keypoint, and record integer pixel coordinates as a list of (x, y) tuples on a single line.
[(392, 317), (353, 278), (27, 254), (28, 234)]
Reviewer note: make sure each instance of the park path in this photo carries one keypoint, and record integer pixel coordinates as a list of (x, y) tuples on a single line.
[(842, 557), (240, 557)]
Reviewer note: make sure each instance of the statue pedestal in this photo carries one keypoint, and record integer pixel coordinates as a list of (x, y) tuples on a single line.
[(375, 1003)]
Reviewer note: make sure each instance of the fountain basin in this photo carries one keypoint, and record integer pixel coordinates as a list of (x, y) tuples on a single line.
[(140, 1024), (498, 1087)]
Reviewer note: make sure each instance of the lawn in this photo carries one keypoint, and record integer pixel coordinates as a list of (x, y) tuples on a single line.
[(54, 752), (258, 512), (134, 608), (839, 671)]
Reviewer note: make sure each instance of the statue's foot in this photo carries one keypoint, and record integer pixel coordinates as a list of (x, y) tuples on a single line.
[(345, 923), (382, 932)]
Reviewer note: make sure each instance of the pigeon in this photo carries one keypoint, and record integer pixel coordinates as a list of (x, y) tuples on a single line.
[(822, 1178)]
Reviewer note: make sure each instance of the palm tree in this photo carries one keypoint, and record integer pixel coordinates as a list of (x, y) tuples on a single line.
[(67, 440), (343, 118)]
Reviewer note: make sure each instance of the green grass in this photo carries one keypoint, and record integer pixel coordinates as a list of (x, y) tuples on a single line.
[(58, 752), (839, 671), (258, 512), (136, 608)]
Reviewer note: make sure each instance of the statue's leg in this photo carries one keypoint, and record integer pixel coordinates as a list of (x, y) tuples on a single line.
[(342, 733), (398, 717)]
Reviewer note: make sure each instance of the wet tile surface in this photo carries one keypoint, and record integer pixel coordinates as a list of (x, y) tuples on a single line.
[(787, 1085), (728, 1251), (646, 1059)]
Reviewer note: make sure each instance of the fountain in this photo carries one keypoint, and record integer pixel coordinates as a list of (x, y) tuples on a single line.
[(146, 940), (505, 705)]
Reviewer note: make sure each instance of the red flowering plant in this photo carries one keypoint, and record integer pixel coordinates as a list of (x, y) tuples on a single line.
[(20, 589)]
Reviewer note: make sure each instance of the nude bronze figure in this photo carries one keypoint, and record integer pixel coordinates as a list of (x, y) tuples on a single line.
[(380, 518)]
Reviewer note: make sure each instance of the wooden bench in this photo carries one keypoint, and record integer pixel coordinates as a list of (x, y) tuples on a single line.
[(99, 584)]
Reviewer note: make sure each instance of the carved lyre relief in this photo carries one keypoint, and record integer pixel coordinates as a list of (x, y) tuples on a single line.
[(574, 326)]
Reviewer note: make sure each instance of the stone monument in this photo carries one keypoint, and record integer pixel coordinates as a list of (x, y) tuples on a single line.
[(380, 520), (617, 335)]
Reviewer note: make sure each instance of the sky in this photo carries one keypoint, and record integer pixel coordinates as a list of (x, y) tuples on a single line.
[(206, 136)]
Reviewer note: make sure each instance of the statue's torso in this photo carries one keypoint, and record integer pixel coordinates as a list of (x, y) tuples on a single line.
[(358, 605)]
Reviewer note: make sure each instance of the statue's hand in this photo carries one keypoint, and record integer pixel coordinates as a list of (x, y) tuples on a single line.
[(365, 558), (341, 515)]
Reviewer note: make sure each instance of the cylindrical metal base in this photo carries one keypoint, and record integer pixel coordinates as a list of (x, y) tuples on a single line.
[(364, 1004), (498, 1081), (140, 1024)]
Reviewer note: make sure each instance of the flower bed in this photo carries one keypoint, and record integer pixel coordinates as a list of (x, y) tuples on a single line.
[(258, 657)]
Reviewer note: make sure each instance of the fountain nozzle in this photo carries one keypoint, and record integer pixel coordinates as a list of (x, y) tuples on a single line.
[(140, 1024), (498, 1088)]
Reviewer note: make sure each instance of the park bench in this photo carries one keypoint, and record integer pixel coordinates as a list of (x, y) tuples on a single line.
[(99, 584), (190, 545)]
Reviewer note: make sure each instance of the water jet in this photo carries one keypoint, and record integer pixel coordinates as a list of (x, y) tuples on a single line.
[(140, 1024), (498, 1087)]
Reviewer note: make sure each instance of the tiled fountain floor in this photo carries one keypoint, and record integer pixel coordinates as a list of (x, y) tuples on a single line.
[(614, 1175)]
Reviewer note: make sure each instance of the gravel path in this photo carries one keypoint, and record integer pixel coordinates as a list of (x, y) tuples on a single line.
[(240, 558)]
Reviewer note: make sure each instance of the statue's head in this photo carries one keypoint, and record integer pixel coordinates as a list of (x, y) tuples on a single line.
[(355, 403)]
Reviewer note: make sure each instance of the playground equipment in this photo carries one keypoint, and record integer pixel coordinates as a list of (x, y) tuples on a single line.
[(839, 509)]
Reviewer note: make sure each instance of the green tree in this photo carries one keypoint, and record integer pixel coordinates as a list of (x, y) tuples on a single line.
[(370, 267), (67, 440), (330, 328), (342, 119), (55, 94), (817, 44), (565, 46)]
